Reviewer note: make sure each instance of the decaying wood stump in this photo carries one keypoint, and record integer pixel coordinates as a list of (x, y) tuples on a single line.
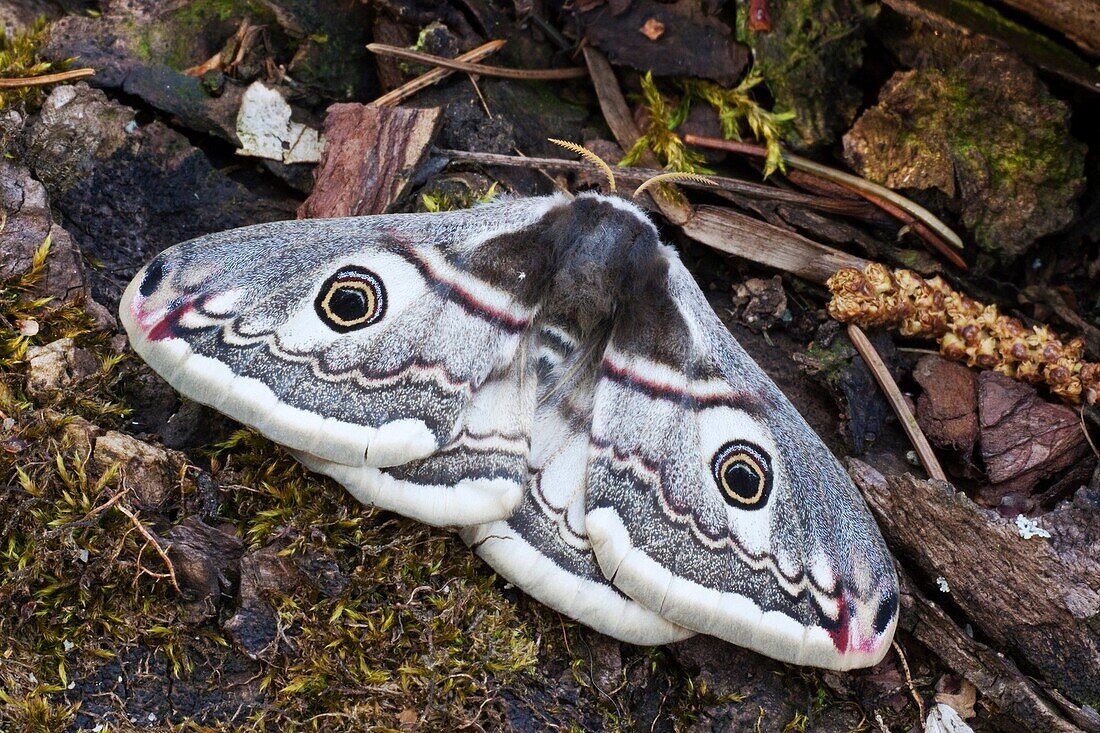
[(1038, 599)]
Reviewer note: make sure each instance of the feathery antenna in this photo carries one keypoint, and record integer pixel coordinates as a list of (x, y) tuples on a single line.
[(671, 177), (590, 156)]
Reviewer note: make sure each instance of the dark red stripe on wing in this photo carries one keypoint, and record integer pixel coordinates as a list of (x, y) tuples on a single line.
[(463, 297), (673, 393)]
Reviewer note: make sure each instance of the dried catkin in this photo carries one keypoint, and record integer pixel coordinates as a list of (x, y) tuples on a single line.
[(967, 330)]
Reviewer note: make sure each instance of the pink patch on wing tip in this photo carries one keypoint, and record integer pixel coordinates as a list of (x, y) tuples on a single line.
[(841, 634), (164, 327)]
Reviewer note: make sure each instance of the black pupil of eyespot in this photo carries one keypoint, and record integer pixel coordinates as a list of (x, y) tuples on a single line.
[(742, 479), (152, 279), (349, 303)]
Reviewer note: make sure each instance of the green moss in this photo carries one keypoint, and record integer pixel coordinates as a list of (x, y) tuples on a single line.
[(458, 195), (75, 585), (172, 40), (807, 60), (989, 134), (19, 58), (733, 106)]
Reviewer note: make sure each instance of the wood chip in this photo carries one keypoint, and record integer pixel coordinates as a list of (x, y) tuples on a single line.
[(766, 244), (370, 154)]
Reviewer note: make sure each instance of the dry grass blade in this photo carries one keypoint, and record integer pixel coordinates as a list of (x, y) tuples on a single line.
[(435, 76), (39, 81), (897, 401), (576, 72), (589, 155)]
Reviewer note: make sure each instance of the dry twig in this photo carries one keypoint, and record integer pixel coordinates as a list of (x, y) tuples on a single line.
[(897, 401), (575, 72), (722, 183), (39, 81), (434, 76), (923, 222), (171, 574), (909, 679)]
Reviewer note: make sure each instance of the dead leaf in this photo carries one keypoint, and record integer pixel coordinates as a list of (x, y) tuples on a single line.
[(653, 29)]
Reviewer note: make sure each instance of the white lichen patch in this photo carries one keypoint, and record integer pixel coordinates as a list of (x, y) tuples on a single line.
[(1030, 528), (265, 129)]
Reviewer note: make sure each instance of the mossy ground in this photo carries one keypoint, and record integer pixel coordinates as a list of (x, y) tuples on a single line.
[(19, 58), (421, 636)]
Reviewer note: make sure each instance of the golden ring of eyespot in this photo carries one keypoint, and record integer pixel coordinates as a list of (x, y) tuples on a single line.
[(352, 298), (742, 471)]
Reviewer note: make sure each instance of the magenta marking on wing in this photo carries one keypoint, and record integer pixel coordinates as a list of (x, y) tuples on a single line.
[(840, 634), (166, 326)]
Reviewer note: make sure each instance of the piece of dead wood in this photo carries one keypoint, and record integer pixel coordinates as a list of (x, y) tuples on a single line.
[(573, 72), (1033, 598), (765, 244), (923, 223), (1023, 437), (996, 676), (1077, 20), (621, 121), (947, 408), (436, 75), (969, 23), (897, 402), (39, 81), (370, 155)]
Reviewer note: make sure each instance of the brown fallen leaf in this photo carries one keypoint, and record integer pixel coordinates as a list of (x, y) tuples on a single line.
[(1024, 439), (653, 29), (947, 408)]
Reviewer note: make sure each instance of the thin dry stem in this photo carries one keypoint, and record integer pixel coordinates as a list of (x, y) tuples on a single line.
[(909, 679), (38, 81), (872, 191), (171, 574), (574, 72), (897, 401), (434, 76)]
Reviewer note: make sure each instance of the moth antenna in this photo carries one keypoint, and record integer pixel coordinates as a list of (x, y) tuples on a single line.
[(673, 176), (591, 157)]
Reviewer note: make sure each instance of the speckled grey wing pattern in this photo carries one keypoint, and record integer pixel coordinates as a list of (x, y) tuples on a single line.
[(363, 344), (712, 503), (543, 547)]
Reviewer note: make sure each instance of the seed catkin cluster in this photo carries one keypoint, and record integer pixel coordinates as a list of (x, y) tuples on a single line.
[(967, 330)]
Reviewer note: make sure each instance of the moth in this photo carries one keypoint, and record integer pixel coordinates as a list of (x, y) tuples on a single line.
[(545, 375)]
